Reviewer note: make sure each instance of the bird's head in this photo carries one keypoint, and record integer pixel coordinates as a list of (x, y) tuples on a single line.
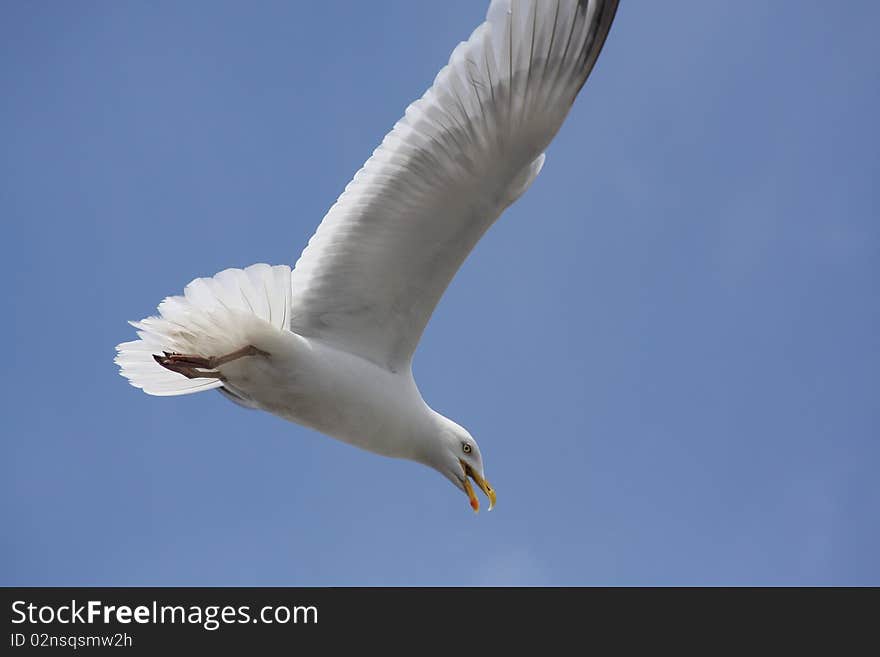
[(457, 457)]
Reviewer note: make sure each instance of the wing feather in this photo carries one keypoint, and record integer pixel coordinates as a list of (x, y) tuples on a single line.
[(374, 270)]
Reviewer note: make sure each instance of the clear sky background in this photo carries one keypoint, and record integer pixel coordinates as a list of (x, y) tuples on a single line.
[(668, 349)]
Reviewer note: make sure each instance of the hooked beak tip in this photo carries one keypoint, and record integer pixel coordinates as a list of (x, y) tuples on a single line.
[(482, 483)]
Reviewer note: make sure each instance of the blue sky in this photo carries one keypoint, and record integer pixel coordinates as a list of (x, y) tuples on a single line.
[(668, 349)]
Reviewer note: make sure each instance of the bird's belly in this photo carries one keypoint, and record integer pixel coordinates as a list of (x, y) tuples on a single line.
[(331, 391)]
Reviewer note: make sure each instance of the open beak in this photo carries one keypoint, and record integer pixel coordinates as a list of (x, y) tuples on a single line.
[(482, 483)]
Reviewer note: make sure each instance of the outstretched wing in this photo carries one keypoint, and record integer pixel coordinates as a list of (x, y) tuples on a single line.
[(372, 273)]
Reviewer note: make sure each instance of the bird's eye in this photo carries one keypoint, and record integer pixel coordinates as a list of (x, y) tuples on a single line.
[(466, 448)]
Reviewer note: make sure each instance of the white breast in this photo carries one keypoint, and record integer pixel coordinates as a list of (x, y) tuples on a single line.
[(334, 392)]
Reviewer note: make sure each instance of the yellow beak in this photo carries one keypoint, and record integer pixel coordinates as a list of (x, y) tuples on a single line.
[(482, 483)]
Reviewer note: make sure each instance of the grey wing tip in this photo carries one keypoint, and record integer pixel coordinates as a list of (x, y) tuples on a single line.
[(607, 12)]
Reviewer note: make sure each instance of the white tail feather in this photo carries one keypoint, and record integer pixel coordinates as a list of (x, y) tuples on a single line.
[(215, 316)]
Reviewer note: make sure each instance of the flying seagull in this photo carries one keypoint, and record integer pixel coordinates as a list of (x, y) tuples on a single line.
[(329, 344)]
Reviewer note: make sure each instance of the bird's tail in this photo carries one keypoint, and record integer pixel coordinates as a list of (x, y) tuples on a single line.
[(215, 316)]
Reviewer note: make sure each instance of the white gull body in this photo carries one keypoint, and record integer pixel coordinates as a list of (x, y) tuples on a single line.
[(329, 344)]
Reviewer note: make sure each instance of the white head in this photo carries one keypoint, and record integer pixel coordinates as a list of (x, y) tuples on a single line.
[(455, 454)]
